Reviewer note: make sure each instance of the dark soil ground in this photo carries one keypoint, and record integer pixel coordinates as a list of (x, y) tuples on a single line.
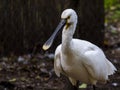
[(37, 73)]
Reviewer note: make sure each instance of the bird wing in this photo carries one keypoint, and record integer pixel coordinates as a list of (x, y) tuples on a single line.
[(57, 61), (93, 59), (96, 64)]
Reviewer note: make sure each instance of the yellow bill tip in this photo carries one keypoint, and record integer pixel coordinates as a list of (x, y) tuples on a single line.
[(45, 47)]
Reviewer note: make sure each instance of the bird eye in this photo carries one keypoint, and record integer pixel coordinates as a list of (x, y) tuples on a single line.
[(68, 17)]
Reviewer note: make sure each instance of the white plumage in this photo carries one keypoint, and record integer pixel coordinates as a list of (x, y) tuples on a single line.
[(79, 59)]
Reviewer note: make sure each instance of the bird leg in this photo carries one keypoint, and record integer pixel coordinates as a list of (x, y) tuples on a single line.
[(94, 88), (76, 87)]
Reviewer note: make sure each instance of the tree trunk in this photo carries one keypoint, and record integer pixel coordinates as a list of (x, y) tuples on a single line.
[(91, 21)]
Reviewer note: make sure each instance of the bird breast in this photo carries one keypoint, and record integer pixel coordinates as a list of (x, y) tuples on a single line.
[(74, 68)]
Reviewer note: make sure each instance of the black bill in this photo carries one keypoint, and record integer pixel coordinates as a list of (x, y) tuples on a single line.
[(49, 42)]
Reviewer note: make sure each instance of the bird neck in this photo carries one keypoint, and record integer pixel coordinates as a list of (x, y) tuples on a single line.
[(67, 35)]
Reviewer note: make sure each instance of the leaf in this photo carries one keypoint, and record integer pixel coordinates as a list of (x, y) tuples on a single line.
[(37, 77), (23, 79), (12, 80), (83, 85)]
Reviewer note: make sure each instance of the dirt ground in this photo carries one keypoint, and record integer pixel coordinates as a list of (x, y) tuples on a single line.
[(24, 73), (37, 73), (18, 73)]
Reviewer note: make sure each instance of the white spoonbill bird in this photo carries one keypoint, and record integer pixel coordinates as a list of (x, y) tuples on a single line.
[(78, 59)]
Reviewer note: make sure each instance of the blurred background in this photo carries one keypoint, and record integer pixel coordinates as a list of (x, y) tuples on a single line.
[(25, 25)]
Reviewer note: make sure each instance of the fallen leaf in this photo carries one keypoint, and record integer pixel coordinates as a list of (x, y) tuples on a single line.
[(12, 80), (83, 85)]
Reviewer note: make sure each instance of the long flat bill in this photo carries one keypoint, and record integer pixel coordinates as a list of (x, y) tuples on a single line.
[(49, 42)]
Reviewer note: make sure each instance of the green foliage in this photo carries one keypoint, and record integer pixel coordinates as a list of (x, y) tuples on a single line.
[(112, 9), (110, 3), (116, 15)]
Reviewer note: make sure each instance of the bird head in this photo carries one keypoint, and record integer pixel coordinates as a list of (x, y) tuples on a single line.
[(68, 18)]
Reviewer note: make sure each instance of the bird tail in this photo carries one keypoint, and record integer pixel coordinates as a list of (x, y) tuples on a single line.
[(111, 68)]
